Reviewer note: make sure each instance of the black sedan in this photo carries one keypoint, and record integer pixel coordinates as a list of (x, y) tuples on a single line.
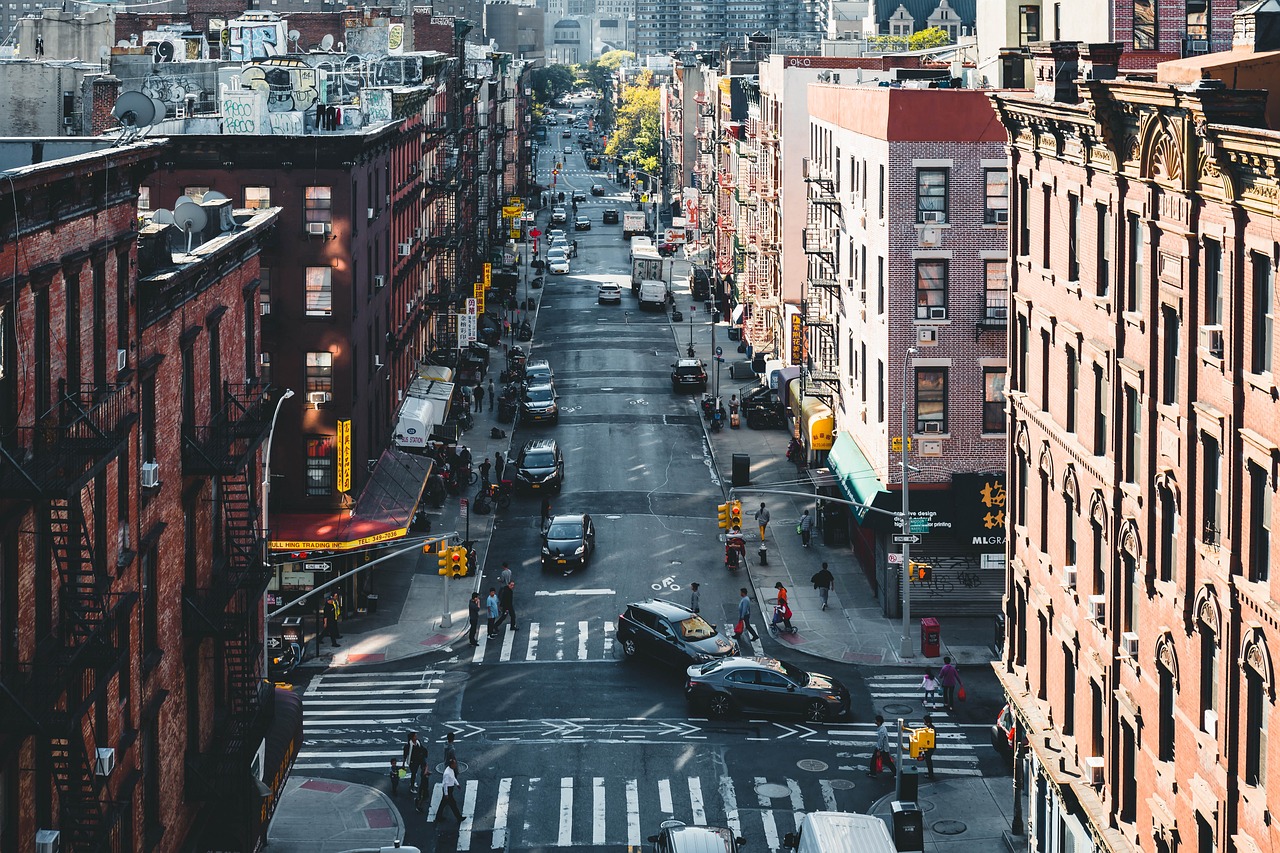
[(540, 465), (568, 541), (671, 633), (610, 216), (597, 189), (764, 686)]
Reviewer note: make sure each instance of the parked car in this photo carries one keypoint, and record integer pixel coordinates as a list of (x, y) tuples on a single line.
[(608, 292), (559, 216), (1004, 731), (688, 374), (700, 283), (597, 189), (558, 262), (538, 403), (666, 249), (568, 541), (762, 685), (537, 371), (581, 223), (567, 133), (610, 216), (540, 465), (675, 837), (671, 633)]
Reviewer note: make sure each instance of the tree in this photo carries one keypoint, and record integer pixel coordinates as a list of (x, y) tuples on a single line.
[(931, 37), (551, 82), (638, 130)]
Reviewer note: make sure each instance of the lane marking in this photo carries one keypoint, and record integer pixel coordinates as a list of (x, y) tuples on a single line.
[(597, 811), (766, 817), (633, 813), (500, 814), (549, 592), (468, 810), (730, 798), (583, 629), (664, 797), (532, 654), (566, 812), (695, 801)]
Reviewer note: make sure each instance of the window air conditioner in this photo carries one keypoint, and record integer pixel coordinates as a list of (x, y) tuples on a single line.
[(1211, 340), (1002, 217), (1211, 723), (379, 282), (370, 212), (1129, 644), (927, 335), (1098, 609), (405, 249), (938, 313), (106, 761), (122, 360), (317, 227), (1095, 767), (264, 359), (418, 233), (150, 475), (48, 841), (931, 426), (317, 398), (1069, 577), (933, 216)]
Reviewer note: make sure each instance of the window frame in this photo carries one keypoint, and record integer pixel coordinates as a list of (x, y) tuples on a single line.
[(924, 311), (317, 206), (995, 307), (1001, 200), (261, 202), (1262, 285), (318, 294), (933, 396), (318, 376), (1146, 36), (922, 195), (319, 469), (992, 397)]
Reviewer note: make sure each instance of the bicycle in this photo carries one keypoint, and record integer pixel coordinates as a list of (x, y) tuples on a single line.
[(500, 493)]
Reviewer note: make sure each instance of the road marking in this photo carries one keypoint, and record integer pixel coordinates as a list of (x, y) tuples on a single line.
[(828, 795), (664, 797), (532, 654), (633, 813), (437, 794), (766, 816), (508, 640), (478, 655), (797, 800), (730, 798), (583, 628), (608, 639), (550, 592), (347, 713), (695, 801), (559, 641), (468, 809), (500, 815), (597, 811), (566, 812)]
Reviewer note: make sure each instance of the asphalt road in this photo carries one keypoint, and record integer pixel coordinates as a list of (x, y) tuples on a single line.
[(561, 743)]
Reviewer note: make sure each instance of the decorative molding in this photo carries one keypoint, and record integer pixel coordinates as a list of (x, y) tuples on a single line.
[(1098, 511), (1071, 486), (1254, 655), (1208, 611), (1167, 655)]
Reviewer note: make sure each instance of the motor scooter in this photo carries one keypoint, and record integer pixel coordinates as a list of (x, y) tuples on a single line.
[(286, 660), (735, 551)]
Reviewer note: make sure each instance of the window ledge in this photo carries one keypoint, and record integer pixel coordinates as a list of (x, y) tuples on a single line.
[(995, 436), (925, 321), (1264, 382)]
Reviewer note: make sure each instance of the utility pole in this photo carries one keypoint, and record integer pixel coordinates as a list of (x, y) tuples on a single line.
[(908, 646)]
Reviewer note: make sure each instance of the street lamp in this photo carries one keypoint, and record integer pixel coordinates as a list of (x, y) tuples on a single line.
[(266, 499), (908, 647)]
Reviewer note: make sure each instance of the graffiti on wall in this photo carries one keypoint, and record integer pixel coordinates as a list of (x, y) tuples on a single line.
[(343, 76), (175, 46), (254, 36), (172, 89), (289, 84)]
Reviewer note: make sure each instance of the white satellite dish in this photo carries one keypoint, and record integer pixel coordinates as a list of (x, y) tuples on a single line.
[(163, 217), (190, 217), (213, 195), (326, 43), (124, 43), (294, 35), (135, 111)]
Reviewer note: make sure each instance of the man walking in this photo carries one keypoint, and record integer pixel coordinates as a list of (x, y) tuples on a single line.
[(927, 754), (507, 605), (478, 396), (504, 576), (484, 470), (473, 617), (806, 528), (449, 784), (695, 598), (949, 677), (492, 396), (491, 604), (499, 465), (881, 754), (744, 615), (762, 519), (466, 398), (414, 757), (823, 580), (331, 620)]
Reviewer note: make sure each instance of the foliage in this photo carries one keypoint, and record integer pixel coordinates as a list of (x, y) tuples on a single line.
[(637, 134), (551, 82), (931, 37)]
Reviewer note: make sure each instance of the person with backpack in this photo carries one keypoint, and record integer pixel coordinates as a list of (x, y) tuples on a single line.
[(806, 528), (822, 581)]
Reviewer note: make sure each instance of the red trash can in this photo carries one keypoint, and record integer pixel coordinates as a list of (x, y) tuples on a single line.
[(930, 637)]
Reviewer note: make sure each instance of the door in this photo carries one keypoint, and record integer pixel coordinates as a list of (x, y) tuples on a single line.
[(777, 694)]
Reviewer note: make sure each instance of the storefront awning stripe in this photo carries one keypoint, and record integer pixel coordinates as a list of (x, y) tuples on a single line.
[(858, 480)]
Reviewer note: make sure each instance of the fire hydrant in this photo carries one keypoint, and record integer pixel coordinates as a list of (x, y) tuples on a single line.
[(763, 554)]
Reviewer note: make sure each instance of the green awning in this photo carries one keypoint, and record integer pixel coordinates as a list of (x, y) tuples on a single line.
[(857, 479)]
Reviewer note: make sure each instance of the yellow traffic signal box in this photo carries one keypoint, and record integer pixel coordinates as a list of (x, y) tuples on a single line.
[(722, 516), (921, 740)]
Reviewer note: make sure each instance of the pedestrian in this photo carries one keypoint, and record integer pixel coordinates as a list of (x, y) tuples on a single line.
[(949, 676), (929, 685), (823, 580), (927, 754), (546, 510), (782, 611), (881, 758), (450, 753), (414, 756), (806, 528), (466, 398), (695, 598), (449, 783), (499, 466), (485, 467), (491, 394), (478, 396), (762, 519), (473, 618), (504, 576), (491, 604), (744, 616), (331, 620), (507, 605), (395, 776)]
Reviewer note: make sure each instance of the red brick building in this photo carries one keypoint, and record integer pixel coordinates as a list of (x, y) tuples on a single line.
[(130, 549), (1144, 450)]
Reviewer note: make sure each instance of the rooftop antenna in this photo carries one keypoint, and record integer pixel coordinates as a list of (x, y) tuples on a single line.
[(135, 112), (190, 217), (326, 43)]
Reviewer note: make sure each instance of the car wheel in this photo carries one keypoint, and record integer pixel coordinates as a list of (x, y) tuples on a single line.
[(719, 705), (629, 647), (816, 711)]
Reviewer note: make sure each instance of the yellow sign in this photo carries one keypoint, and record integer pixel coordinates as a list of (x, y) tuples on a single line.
[(895, 444), (488, 275), (478, 290), (797, 339), (302, 545), (516, 234), (512, 212), (344, 455)]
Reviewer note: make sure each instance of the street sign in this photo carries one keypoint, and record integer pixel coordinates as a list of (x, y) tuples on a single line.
[(919, 525), (905, 539), (719, 350)]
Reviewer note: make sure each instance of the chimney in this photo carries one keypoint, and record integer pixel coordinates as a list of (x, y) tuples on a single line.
[(153, 248), (1056, 64), (1101, 60), (103, 94), (1256, 28)]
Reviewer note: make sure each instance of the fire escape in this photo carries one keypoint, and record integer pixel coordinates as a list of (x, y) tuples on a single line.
[(227, 609), (754, 282), (53, 696), (822, 295)]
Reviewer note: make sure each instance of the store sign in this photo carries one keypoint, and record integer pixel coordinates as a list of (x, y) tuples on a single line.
[(344, 455), (797, 339), (354, 544), (512, 212), (478, 289), (980, 503)]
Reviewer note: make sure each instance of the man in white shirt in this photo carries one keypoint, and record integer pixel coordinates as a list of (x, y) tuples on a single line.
[(449, 782)]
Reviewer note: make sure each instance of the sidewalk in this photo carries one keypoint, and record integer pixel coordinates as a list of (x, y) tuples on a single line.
[(984, 808), (328, 816)]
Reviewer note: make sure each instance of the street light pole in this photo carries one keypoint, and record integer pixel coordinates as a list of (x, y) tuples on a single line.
[(908, 647), (266, 501)]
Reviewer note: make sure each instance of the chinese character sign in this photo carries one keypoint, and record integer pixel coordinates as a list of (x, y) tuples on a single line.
[(344, 456)]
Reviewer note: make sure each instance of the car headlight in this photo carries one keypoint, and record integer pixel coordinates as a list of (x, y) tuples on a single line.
[(546, 552), (579, 551)]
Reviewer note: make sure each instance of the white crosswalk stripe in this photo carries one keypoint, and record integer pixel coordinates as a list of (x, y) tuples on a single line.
[(586, 640), (904, 689)]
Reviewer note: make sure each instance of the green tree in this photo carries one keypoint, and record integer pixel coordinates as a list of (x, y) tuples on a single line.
[(931, 37), (637, 131), (551, 82)]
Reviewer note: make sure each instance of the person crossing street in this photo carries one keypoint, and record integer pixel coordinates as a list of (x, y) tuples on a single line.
[(744, 616)]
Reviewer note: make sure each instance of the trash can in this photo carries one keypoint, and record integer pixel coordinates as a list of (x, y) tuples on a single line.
[(371, 603), (909, 785), (908, 826), (741, 469), (930, 637), (291, 629)]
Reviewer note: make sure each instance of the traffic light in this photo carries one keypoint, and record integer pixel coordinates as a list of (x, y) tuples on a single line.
[(445, 560), (919, 571), (920, 740), (458, 561), (735, 514), (722, 515)]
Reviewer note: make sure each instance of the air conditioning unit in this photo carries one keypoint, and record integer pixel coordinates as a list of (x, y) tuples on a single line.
[(1211, 723), (264, 359), (929, 237), (1069, 577), (1095, 767), (318, 398), (150, 475), (106, 761), (371, 212), (122, 360), (931, 426), (1129, 644), (48, 841), (317, 227), (377, 362), (1098, 609), (379, 282), (927, 335), (937, 313), (405, 249), (1002, 217), (1211, 340), (934, 216), (264, 307), (419, 233)]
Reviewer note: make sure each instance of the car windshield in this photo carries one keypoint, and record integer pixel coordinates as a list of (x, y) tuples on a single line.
[(696, 628), (565, 530), (799, 676), (538, 395), (540, 459), (711, 666)]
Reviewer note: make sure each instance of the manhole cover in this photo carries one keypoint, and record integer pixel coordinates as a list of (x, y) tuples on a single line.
[(462, 767), (841, 785), (898, 710), (950, 827), (772, 791), (812, 765)]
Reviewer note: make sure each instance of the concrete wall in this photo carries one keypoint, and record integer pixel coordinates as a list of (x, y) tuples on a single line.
[(34, 102), (67, 35)]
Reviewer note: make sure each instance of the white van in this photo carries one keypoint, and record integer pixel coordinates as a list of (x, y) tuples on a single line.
[(840, 832), (426, 404), (653, 294)]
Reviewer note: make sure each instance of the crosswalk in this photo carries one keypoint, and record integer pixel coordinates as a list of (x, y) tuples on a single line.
[(573, 811), (584, 640), (898, 689)]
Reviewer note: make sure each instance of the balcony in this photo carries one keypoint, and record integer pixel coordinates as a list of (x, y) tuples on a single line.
[(996, 315), (69, 444), (226, 443)]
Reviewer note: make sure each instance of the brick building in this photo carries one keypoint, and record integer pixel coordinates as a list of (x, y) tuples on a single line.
[(130, 554), (1144, 448)]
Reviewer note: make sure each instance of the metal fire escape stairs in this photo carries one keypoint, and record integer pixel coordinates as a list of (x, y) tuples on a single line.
[(822, 296)]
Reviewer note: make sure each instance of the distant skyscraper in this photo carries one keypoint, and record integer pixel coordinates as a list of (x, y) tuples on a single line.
[(662, 27)]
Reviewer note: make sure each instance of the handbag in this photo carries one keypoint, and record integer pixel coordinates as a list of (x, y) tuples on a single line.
[(960, 694), (798, 530), (740, 627), (877, 763)]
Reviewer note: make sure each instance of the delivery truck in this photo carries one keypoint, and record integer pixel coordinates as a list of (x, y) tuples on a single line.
[(633, 224), (425, 406), (653, 295)]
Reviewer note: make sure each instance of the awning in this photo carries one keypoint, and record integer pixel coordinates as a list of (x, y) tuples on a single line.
[(819, 423), (857, 479), (283, 740), (736, 314), (382, 512), (773, 368)]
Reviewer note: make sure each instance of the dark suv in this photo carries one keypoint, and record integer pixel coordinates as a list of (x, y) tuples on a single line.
[(688, 374), (540, 465), (538, 403), (610, 216), (671, 633)]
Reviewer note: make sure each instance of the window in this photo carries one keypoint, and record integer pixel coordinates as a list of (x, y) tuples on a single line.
[(1259, 568), (863, 367), (1024, 217), (1069, 530), (931, 399), (1024, 475), (1133, 583), (1133, 296), (1024, 341), (1165, 721), (931, 289), (1028, 24), (319, 375), (1169, 358), (880, 286), (1101, 402), (993, 379), (1046, 227), (264, 291), (1197, 19), (1073, 387), (997, 212), (1257, 718), (1208, 674), (264, 367), (1104, 250), (1144, 25), (257, 198), (931, 195), (1073, 237), (319, 291), (1263, 305), (1044, 517), (319, 208), (319, 466), (1099, 555), (1132, 435), (880, 391), (1045, 348), (997, 279), (1212, 283), (1211, 489), (881, 192), (1069, 694), (144, 198), (1168, 554), (196, 194)]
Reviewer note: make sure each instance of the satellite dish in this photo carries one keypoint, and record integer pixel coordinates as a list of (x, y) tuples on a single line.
[(326, 43), (124, 43), (213, 195), (163, 217), (161, 109), (104, 52), (134, 110), (294, 35), (190, 218)]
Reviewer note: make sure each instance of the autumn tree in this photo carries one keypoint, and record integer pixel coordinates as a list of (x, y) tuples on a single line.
[(927, 38)]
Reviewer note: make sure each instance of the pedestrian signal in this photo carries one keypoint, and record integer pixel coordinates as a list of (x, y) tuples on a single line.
[(722, 515), (921, 740), (735, 514), (919, 571)]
